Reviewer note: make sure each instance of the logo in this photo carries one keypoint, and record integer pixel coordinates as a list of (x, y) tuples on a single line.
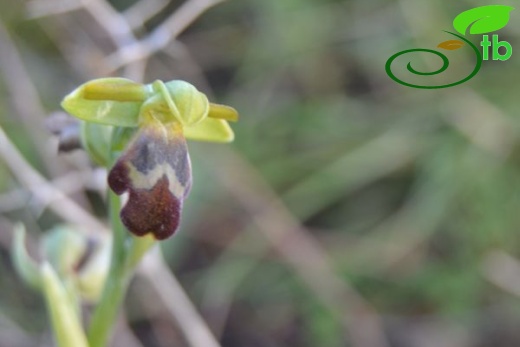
[(477, 21)]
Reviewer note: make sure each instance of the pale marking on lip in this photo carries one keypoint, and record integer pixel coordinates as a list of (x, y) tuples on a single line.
[(149, 180)]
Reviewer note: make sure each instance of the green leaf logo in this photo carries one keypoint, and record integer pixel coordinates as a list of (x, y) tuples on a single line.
[(482, 20)]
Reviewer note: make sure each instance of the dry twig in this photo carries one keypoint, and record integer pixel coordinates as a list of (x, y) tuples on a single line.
[(162, 35), (60, 203), (25, 99), (176, 301)]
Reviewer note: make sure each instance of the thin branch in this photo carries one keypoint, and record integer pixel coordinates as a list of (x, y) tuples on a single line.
[(69, 183), (60, 203), (39, 8), (219, 295), (176, 301), (13, 335), (179, 52), (140, 12), (125, 336), (161, 36), (25, 98), (503, 270), (112, 21)]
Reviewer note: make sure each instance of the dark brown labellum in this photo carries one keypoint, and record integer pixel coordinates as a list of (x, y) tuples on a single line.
[(155, 170)]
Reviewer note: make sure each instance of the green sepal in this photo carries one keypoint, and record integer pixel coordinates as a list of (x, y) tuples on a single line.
[(210, 129), (26, 267), (109, 101), (65, 320), (95, 140), (120, 138), (123, 103)]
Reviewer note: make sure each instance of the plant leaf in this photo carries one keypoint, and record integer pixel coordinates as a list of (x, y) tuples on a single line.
[(451, 45), (483, 19)]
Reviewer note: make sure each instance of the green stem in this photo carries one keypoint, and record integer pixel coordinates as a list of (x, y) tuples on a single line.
[(139, 245), (106, 311), (126, 254)]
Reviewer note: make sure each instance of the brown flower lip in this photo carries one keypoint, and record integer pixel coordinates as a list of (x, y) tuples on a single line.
[(155, 169)]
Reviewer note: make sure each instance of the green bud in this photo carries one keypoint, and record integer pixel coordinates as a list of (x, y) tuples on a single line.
[(64, 248), (78, 259)]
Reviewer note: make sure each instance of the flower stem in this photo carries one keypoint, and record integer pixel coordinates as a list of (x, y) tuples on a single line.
[(126, 254), (106, 311)]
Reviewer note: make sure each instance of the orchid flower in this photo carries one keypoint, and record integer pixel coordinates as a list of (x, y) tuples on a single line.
[(149, 127)]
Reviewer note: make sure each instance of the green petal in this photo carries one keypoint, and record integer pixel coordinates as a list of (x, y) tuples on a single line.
[(110, 101), (95, 139), (188, 104), (222, 112), (210, 129)]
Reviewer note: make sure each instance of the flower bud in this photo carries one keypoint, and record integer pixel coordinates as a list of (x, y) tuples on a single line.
[(79, 258)]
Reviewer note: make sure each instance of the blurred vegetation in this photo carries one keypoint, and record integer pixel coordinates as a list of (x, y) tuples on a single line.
[(411, 195)]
